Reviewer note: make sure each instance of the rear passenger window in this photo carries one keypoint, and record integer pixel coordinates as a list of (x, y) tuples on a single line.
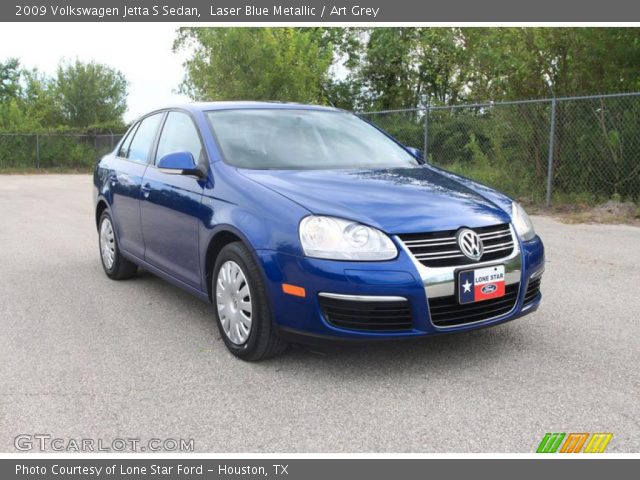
[(124, 148), (142, 142), (179, 134)]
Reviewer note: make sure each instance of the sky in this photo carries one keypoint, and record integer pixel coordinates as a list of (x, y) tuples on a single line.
[(142, 52)]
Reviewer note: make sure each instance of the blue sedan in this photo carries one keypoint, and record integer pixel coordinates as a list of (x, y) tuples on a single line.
[(306, 223)]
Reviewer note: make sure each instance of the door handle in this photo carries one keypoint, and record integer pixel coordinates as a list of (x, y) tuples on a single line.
[(146, 190)]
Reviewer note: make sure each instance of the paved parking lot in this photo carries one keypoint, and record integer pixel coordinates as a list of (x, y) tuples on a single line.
[(84, 356)]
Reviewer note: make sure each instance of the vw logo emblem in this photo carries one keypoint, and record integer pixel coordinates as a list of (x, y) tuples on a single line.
[(470, 244)]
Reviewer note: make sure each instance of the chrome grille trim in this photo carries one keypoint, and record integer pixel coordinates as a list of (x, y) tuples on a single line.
[(425, 256), (486, 236), (433, 252), (362, 298), (441, 281), (426, 241), (425, 244), (499, 246)]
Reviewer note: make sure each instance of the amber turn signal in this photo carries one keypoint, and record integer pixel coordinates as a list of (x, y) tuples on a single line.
[(293, 290)]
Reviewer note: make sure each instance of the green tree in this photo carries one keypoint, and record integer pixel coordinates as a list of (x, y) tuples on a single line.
[(9, 79), (388, 70), (39, 101), (518, 63), (408, 67), (26, 104), (286, 64), (90, 94), (442, 65)]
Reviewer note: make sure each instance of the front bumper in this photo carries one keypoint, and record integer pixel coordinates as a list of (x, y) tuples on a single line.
[(402, 277)]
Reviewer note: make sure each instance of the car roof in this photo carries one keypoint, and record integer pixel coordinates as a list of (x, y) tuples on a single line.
[(235, 105)]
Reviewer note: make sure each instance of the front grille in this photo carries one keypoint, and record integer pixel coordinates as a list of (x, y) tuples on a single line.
[(447, 312), (367, 315), (533, 290), (440, 249)]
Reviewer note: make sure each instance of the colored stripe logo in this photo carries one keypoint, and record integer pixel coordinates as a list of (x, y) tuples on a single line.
[(574, 443), (550, 442), (598, 442)]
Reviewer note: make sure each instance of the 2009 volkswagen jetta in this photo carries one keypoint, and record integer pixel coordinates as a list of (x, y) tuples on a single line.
[(302, 222)]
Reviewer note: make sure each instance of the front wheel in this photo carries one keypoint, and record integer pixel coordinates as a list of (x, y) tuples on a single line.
[(240, 306), (115, 265)]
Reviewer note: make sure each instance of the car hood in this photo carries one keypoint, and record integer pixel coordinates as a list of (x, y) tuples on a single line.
[(398, 200)]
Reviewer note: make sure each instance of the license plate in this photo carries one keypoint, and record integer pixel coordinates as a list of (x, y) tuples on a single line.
[(481, 284)]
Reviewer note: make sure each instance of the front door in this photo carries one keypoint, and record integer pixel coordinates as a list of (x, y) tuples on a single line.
[(170, 206)]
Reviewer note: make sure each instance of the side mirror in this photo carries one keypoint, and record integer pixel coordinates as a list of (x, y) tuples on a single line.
[(180, 163), (416, 152)]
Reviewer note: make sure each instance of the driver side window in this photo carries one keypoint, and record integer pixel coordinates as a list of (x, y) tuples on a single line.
[(179, 134)]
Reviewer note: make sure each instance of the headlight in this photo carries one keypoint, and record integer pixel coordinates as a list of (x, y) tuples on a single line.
[(522, 222), (338, 239)]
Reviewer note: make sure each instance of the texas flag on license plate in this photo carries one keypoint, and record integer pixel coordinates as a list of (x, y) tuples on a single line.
[(481, 284)]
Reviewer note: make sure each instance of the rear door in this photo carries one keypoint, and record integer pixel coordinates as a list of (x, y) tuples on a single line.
[(126, 180), (170, 206)]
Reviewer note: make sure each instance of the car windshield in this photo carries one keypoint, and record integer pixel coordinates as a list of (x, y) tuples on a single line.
[(299, 139)]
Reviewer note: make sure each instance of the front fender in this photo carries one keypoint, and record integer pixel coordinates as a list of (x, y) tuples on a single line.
[(267, 219), (261, 218)]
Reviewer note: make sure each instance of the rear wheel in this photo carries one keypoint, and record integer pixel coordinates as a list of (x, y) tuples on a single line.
[(115, 265), (240, 306)]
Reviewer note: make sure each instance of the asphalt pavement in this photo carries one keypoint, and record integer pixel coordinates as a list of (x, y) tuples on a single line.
[(82, 356)]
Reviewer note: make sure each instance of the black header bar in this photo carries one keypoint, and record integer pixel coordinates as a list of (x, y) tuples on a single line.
[(319, 11)]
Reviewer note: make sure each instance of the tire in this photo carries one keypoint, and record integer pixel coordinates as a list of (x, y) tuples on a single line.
[(240, 300), (114, 264)]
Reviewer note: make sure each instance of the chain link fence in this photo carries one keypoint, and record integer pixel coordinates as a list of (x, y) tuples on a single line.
[(50, 151), (563, 150)]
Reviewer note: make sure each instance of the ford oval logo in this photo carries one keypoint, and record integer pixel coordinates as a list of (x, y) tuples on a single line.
[(489, 288)]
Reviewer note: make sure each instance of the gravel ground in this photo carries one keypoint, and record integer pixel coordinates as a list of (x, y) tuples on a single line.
[(82, 356)]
